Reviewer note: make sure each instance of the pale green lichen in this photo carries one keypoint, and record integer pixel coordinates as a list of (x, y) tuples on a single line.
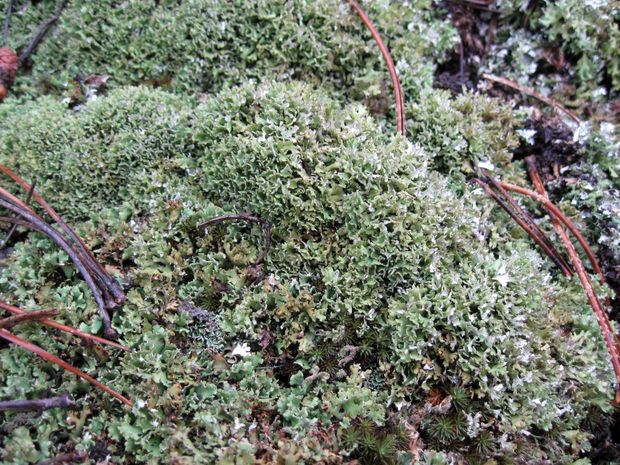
[(381, 285), (200, 47), (465, 132), (585, 31)]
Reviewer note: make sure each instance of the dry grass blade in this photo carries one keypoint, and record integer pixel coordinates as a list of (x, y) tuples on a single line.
[(533, 93), (398, 91), (66, 329), (10, 337)]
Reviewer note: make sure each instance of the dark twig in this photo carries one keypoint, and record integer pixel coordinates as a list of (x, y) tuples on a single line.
[(540, 188), (14, 226), (250, 218), (66, 329), (7, 17), (90, 269), (609, 336), (549, 250), (555, 254), (32, 221), (61, 363), (67, 459), (11, 321), (38, 36), (557, 213), (557, 106), (106, 281), (63, 401), (9, 61), (398, 91)]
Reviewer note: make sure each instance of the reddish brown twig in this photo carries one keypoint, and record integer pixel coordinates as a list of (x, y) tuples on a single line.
[(11, 321), (67, 329), (398, 91), (97, 269), (530, 221), (61, 363), (105, 289), (523, 220), (249, 218), (611, 340), (540, 188), (14, 227), (62, 401), (533, 93), (557, 213), (31, 221)]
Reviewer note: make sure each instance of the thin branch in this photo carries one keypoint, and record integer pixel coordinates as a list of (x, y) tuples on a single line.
[(557, 213), (602, 318), (95, 267), (35, 223), (7, 17), (11, 321), (528, 218), (533, 93), (61, 363), (14, 226), (38, 36), (398, 91), (67, 329), (63, 401), (535, 234), (249, 218)]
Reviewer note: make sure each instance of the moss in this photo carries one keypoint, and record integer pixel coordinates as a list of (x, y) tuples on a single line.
[(371, 249)]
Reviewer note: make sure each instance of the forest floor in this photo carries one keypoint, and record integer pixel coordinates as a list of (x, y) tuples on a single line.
[(310, 232)]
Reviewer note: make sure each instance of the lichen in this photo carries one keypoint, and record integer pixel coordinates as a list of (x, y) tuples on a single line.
[(382, 287)]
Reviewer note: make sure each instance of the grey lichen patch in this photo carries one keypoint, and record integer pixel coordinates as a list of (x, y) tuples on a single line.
[(204, 328)]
